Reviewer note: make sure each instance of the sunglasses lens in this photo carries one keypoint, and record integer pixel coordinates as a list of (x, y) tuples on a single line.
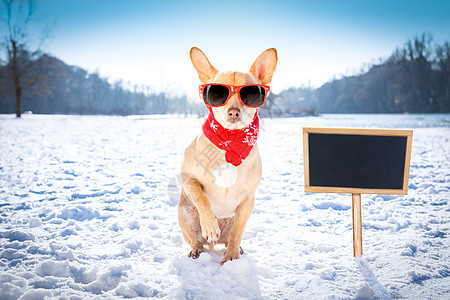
[(215, 95), (253, 96)]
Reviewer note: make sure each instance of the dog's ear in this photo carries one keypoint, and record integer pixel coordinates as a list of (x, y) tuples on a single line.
[(206, 72), (265, 65)]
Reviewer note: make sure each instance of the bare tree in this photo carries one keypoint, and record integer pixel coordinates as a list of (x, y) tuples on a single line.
[(20, 62)]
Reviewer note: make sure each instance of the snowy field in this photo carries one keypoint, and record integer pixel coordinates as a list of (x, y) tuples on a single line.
[(88, 210)]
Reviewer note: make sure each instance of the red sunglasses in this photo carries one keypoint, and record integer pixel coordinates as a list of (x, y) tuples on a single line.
[(217, 94)]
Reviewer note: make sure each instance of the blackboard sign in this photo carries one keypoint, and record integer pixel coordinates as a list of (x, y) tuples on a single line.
[(369, 161), (356, 161)]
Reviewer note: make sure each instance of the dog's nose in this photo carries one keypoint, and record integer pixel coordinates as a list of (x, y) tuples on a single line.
[(233, 112)]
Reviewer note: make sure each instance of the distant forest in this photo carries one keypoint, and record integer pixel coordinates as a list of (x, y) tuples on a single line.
[(64, 89), (414, 79)]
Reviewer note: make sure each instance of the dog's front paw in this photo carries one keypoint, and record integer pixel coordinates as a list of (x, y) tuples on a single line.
[(195, 253), (231, 254), (210, 229)]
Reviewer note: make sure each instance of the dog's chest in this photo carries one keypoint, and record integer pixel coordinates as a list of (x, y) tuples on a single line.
[(224, 201)]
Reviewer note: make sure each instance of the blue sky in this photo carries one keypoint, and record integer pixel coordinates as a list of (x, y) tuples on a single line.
[(148, 42)]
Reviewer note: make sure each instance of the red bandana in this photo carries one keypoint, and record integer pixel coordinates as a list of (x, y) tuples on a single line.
[(237, 143)]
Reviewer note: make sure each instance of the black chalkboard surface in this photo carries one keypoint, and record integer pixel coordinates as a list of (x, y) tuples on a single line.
[(356, 160)]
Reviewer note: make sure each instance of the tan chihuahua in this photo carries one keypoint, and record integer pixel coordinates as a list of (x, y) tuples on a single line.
[(221, 169)]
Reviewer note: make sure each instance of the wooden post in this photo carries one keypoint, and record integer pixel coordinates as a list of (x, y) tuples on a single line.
[(357, 225)]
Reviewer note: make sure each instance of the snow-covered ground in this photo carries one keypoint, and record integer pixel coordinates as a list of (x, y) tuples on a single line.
[(88, 210)]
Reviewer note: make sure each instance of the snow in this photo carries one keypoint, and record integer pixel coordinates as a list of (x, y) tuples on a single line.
[(88, 210)]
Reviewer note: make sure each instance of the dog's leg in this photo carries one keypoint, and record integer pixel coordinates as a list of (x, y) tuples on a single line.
[(190, 226), (242, 214), (210, 230)]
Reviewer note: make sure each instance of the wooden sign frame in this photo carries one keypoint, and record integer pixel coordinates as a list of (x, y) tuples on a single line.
[(356, 191), (355, 131)]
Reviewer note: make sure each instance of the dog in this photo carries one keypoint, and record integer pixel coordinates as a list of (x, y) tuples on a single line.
[(221, 169)]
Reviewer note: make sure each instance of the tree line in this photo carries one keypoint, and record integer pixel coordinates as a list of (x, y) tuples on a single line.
[(64, 89), (31, 80), (414, 79)]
